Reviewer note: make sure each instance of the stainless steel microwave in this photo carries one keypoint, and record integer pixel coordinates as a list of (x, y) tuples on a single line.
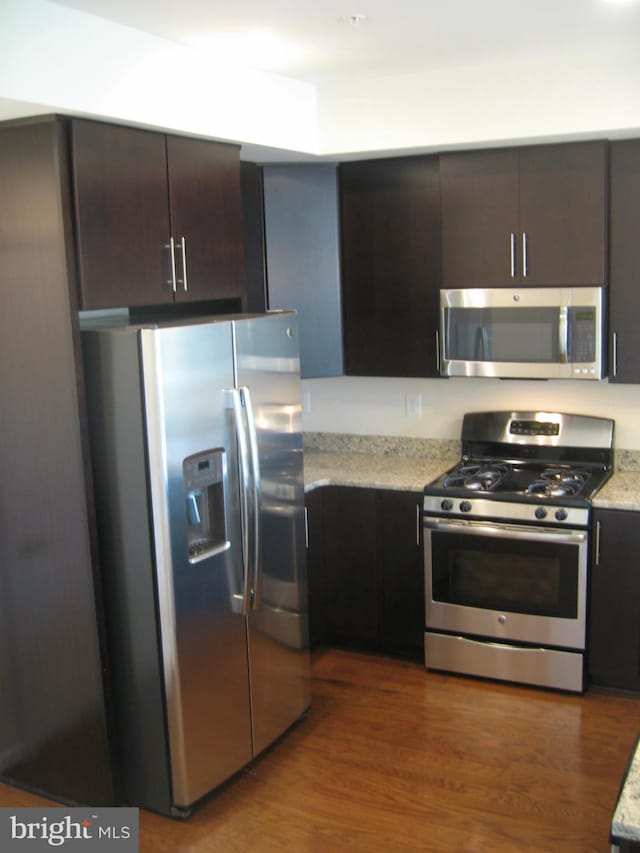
[(527, 333)]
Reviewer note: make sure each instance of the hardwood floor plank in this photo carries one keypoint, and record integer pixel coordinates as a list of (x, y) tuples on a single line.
[(393, 758)]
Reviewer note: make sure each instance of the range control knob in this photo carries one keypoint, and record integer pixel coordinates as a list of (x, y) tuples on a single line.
[(446, 504), (561, 514), (541, 512), (465, 506)]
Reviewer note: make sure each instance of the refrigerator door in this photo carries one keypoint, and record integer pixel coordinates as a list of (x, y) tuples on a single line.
[(198, 551), (267, 374)]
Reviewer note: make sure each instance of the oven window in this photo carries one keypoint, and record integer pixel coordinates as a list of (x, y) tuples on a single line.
[(518, 576)]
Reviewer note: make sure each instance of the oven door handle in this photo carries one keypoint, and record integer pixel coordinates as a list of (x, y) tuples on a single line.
[(506, 531)]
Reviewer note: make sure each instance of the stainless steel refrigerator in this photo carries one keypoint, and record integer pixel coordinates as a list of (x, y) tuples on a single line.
[(196, 446)]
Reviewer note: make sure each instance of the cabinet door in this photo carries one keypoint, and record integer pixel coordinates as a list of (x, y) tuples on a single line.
[(390, 244), (302, 253), (614, 616), (624, 260), (351, 566), (255, 271), (401, 573), (563, 214), (206, 212), (316, 575), (122, 215), (479, 218), (53, 726)]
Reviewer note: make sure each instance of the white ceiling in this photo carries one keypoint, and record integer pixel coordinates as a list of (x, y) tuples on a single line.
[(297, 79), (313, 40)]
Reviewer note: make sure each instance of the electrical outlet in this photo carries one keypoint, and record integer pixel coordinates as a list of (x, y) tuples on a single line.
[(413, 405)]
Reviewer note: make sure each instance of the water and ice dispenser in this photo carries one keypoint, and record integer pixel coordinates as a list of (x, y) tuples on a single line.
[(205, 482)]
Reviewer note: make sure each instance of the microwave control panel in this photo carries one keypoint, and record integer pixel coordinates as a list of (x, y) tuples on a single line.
[(582, 331)]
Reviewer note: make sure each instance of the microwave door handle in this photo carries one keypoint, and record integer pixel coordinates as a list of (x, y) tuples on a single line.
[(563, 333)]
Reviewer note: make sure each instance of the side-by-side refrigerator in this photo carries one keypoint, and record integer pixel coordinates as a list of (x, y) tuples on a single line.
[(196, 446)]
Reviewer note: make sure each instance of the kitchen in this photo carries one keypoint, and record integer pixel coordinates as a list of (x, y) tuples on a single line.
[(345, 404)]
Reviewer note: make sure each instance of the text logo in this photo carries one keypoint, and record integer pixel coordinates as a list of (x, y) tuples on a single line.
[(73, 829)]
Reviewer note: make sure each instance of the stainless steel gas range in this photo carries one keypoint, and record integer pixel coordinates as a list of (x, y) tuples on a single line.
[(506, 547)]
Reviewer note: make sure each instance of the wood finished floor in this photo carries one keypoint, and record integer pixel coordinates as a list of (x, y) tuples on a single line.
[(392, 758)]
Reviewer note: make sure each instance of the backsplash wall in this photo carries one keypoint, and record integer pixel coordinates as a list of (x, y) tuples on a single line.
[(372, 406)]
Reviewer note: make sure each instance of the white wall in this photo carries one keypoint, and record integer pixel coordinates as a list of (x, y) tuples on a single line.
[(77, 63), (60, 59), (552, 95), (377, 406)]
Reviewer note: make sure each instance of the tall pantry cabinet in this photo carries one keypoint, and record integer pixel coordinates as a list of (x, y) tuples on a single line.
[(53, 724), (92, 216)]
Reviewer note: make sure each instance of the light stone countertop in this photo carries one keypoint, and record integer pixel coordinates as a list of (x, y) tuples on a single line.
[(622, 491), (377, 471), (625, 824), (377, 462), (408, 464)]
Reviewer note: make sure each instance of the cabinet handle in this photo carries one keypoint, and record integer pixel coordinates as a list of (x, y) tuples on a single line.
[(525, 259), (597, 544), (614, 353), (171, 246), (183, 248), (418, 525), (513, 255), (437, 352)]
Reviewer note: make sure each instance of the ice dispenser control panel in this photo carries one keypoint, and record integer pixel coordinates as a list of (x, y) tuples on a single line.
[(205, 486)]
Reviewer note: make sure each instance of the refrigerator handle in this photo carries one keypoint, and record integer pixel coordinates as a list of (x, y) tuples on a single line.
[(255, 476), (243, 453)]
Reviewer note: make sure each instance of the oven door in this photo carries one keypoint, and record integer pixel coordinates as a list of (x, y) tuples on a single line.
[(506, 581)]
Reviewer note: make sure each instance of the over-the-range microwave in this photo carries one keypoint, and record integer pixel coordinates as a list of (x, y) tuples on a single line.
[(526, 333)]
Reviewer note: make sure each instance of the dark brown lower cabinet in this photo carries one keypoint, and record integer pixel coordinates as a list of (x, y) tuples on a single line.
[(401, 573), (614, 627), (366, 580), (351, 612), (315, 567)]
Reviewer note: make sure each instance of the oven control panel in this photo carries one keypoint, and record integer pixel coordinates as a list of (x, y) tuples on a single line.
[(480, 508), (547, 428)]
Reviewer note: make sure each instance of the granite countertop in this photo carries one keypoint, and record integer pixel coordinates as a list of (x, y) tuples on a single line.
[(625, 824), (378, 462), (377, 471), (408, 464), (622, 491)]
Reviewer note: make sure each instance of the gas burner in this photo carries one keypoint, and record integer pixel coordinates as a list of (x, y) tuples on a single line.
[(477, 477), (565, 475), (553, 489), (558, 483)]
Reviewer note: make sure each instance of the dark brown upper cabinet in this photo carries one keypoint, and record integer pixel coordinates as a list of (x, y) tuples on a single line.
[(624, 261), (390, 254), (158, 218), (534, 216)]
